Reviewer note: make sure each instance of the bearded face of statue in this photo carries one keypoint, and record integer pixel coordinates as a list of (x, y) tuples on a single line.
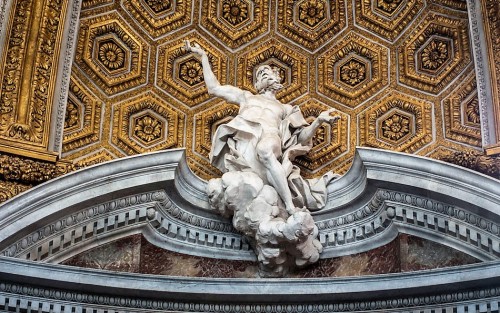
[(267, 79)]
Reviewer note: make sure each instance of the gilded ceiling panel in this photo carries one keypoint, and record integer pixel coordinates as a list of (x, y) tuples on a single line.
[(146, 123), (159, 17), (352, 70), (387, 18), (435, 53), (397, 122), (461, 113), (82, 124), (235, 22), (111, 53), (90, 4), (311, 23), (398, 71)]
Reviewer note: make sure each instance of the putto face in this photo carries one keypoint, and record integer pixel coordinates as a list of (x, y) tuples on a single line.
[(267, 77)]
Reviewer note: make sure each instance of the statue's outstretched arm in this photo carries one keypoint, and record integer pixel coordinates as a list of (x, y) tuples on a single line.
[(230, 93), (308, 132)]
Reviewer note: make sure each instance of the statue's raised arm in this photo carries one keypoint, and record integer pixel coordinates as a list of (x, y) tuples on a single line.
[(261, 187), (229, 93)]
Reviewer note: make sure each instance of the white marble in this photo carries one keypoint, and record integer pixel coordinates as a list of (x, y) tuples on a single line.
[(261, 187)]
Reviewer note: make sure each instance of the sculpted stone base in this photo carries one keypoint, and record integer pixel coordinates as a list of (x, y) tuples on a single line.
[(280, 240)]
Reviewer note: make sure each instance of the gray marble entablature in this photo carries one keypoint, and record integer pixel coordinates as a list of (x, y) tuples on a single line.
[(383, 194)]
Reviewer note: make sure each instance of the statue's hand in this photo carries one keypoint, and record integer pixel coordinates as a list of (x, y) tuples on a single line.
[(196, 49), (326, 117)]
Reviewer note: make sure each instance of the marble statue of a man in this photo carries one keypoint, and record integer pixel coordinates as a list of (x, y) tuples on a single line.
[(265, 136), (261, 188)]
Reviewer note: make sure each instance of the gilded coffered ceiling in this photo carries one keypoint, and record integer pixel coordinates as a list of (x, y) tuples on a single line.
[(400, 72)]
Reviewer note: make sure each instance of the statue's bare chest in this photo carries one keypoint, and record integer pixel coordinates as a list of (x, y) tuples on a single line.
[(261, 106)]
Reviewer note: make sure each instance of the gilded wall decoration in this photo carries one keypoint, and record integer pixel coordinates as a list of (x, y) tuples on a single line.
[(146, 123), (235, 22), (474, 160), (311, 23), (387, 18), (292, 64), (89, 4), (28, 171), (18, 174), (491, 9), (97, 157), (397, 122), (111, 54), (82, 125), (435, 53), (461, 113), (453, 4), (10, 189), (180, 73), (31, 52), (352, 70), (159, 17)]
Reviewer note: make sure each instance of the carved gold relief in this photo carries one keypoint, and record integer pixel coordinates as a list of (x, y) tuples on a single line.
[(454, 4), (311, 23), (180, 73), (353, 70), (312, 12), (474, 160), (159, 17), (20, 169), (235, 11), (27, 86), (235, 22), (83, 116), (72, 117), (397, 122), (111, 54), (89, 4), (491, 10), (435, 53), (461, 114), (10, 189), (95, 158), (387, 18), (146, 123), (396, 126), (291, 63), (18, 174), (388, 7)]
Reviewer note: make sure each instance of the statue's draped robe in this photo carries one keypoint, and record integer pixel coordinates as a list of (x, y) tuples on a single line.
[(234, 149)]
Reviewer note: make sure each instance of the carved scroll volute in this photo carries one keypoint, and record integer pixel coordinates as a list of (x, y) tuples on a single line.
[(29, 82)]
